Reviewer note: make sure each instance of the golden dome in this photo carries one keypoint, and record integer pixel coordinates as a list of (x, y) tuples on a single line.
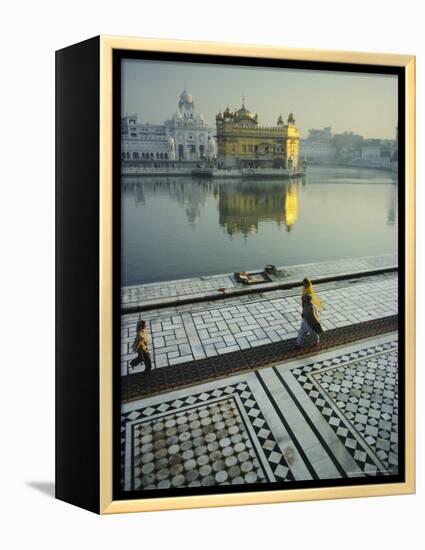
[(244, 114)]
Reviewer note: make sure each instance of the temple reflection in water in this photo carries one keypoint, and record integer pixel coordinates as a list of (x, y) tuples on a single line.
[(242, 206), (179, 227), (190, 194)]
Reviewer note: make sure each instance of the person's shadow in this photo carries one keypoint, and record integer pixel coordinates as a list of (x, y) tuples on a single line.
[(46, 487)]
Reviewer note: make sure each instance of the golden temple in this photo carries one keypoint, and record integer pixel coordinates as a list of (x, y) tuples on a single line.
[(243, 143)]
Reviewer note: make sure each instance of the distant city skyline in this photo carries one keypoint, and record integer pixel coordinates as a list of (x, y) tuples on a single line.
[(362, 103)]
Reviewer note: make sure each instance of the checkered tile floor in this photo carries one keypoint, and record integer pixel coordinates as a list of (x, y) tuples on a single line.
[(201, 440), (331, 418), (357, 394)]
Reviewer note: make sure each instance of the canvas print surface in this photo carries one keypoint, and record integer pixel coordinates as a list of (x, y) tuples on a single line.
[(259, 277)]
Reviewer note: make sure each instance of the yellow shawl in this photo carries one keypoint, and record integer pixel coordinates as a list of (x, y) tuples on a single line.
[(314, 298)]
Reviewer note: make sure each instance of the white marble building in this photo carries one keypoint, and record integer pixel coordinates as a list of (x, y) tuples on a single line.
[(145, 142), (193, 138), (371, 149), (318, 147)]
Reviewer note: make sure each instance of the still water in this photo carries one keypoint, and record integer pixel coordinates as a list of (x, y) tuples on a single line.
[(179, 227)]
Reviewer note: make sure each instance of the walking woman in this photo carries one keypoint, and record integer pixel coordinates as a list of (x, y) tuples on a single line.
[(310, 318), (140, 346)]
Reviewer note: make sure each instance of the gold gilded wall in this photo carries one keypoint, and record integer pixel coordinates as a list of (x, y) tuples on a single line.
[(241, 142)]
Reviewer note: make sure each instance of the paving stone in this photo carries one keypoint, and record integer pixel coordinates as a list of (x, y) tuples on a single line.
[(270, 320), (201, 434), (214, 366)]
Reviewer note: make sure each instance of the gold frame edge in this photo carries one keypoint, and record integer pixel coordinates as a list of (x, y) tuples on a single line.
[(106, 503)]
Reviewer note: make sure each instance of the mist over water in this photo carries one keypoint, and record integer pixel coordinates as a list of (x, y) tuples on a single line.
[(181, 227)]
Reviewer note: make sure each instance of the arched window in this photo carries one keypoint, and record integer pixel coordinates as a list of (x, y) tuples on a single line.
[(136, 156), (128, 155), (166, 156), (123, 155)]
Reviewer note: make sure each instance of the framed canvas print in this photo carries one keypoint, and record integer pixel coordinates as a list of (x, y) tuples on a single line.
[(235, 274)]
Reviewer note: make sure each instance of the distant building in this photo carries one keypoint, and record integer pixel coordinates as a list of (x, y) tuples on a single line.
[(318, 147), (242, 142), (378, 152), (323, 134), (193, 138), (183, 137), (145, 142), (371, 149)]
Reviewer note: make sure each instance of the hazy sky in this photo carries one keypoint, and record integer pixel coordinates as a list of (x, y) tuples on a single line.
[(365, 104)]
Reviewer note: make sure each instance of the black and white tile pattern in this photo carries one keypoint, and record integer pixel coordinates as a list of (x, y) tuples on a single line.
[(336, 417), (357, 394), (217, 437), (183, 334)]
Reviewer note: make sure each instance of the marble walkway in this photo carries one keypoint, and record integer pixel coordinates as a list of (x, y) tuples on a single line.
[(333, 416), (195, 331), (169, 292)]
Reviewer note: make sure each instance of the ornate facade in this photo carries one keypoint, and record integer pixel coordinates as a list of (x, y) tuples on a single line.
[(194, 139), (145, 142), (242, 142)]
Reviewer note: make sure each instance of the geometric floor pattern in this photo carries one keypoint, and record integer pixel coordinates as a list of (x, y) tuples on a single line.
[(218, 437), (197, 331), (333, 417), (357, 394)]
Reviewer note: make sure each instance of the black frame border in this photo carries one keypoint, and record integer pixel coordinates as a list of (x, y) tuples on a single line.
[(400, 72)]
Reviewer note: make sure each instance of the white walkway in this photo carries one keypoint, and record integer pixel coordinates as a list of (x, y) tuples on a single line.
[(196, 331)]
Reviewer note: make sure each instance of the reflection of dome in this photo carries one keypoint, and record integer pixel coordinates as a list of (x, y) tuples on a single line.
[(244, 206), (177, 115)]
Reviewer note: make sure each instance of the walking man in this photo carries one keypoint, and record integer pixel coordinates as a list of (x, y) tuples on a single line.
[(140, 346), (310, 318)]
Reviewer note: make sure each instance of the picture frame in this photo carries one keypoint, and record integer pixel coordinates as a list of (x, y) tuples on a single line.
[(89, 386)]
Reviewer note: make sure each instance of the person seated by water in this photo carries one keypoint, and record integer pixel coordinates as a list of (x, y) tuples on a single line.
[(310, 318), (140, 346)]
